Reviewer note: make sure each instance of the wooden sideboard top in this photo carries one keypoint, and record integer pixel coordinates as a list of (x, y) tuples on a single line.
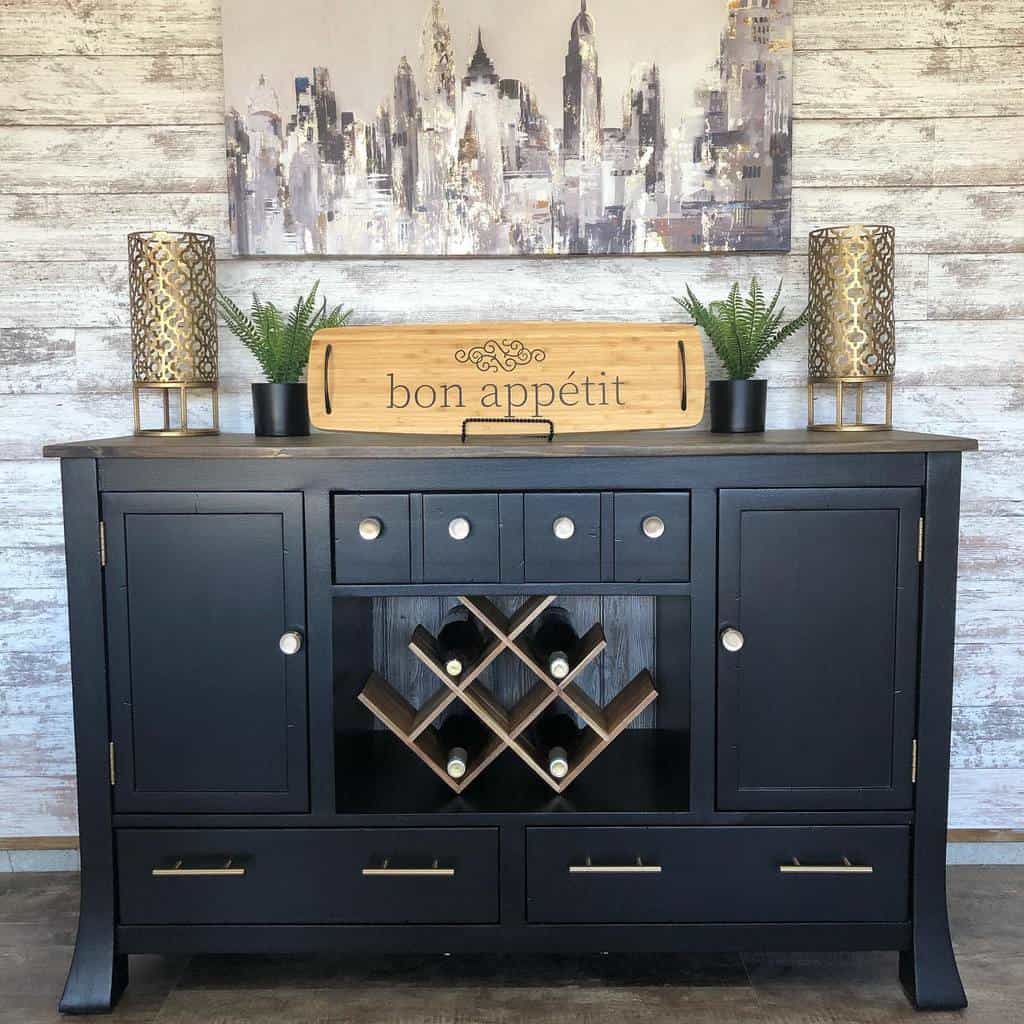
[(396, 446)]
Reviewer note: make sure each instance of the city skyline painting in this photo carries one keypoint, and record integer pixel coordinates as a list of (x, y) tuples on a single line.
[(473, 128)]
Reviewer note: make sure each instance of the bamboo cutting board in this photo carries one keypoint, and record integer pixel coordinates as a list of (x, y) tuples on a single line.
[(487, 377)]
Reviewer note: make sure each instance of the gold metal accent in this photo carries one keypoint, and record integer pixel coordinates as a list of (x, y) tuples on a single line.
[(230, 870), (434, 871), (846, 868), (851, 325), (172, 290), (920, 539), (638, 868), (103, 545), (110, 763), (913, 763)]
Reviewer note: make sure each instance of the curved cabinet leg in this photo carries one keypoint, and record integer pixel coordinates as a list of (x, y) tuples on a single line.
[(928, 971), (97, 976)]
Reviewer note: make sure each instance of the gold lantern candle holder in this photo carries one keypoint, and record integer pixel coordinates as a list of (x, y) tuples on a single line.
[(851, 324), (172, 287)]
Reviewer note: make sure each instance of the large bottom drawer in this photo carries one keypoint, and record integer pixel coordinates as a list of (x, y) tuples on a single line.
[(748, 874), (299, 876)]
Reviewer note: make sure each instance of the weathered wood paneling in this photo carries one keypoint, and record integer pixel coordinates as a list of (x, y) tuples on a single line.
[(33, 620), (109, 27), (46, 228), (847, 84), (80, 91), (117, 112), (63, 160), (992, 547), (96, 294), (912, 151), (989, 674), (891, 23), (975, 286), (986, 799), (988, 737), (39, 806)]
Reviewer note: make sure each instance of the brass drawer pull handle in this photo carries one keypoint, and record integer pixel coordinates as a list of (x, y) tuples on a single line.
[(230, 870), (846, 868), (434, 871), (638, 868)]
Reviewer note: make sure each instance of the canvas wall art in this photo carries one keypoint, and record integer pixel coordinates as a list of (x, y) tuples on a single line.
[(486, 128)]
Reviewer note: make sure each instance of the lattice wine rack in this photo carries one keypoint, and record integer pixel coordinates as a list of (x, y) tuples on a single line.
[(507, 726)]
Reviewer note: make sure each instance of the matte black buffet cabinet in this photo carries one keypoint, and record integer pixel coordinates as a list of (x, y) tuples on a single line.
[(774, 777)]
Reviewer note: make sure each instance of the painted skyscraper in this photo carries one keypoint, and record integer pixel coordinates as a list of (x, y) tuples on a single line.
[(455, 158)]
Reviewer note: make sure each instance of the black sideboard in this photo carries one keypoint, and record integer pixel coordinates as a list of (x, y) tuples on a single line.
[(776, 780)]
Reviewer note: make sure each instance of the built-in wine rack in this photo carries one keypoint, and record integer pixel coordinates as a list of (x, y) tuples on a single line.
[(507, 726)]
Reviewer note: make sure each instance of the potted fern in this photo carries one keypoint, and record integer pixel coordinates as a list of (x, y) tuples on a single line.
[(281, 346), (743, 331)]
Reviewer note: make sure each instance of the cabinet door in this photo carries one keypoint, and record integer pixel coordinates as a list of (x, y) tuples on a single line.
[(816, 709), (207, 713)]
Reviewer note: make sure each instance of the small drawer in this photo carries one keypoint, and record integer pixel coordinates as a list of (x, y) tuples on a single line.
[(562, 537), (308, 876), (371, 538), (727, 875), (460, 538), (652, 536)]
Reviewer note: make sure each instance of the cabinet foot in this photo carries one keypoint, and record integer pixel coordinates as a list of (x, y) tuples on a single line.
[(97, 976), (929, 974)]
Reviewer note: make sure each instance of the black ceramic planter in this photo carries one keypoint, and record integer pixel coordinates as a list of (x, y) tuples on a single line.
[(280, 410), (737, 406)]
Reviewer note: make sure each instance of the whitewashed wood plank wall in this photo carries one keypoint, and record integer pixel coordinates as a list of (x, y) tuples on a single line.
[(110, 121)]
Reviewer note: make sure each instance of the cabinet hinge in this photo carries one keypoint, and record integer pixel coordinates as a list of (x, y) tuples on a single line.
[(103, 545), (913, 762), (920, 539), (110, 756)]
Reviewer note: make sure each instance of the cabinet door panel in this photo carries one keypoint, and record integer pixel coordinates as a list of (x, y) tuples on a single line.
[(816, 709), (207, 713)]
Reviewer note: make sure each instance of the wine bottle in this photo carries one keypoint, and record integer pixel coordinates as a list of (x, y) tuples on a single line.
[(460, 734), (555, 641), (557, 736), (459, 642)]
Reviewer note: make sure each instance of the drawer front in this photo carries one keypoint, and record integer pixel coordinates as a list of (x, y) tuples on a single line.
[(315, 876), (550, 557), (460, 538), (652, 537), (727, 875), (383, 558)]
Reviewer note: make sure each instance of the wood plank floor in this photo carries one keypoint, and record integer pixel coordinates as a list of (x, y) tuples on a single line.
[(37, 926)]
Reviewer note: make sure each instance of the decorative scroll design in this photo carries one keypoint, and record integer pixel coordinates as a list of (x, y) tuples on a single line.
[(500, 354)]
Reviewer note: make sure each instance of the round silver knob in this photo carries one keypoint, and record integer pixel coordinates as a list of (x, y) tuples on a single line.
[(563, 527), (653, 527), (459, 528), (732, 640), (370, 528), (290, 642)]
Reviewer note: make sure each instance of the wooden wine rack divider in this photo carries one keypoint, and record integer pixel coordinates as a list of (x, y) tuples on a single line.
[(415, 728)]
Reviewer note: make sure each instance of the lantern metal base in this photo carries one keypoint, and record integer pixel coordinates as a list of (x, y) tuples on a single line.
[(839, 384), (183, 429)]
